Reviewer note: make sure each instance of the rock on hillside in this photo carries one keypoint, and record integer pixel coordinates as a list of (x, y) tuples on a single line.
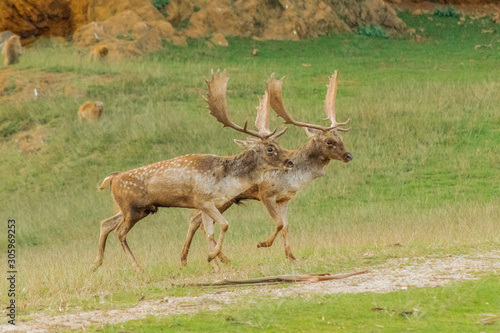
[(28, 18)]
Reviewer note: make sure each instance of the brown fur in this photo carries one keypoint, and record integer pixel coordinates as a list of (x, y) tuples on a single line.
[(195, 181), (91, 111), (98, 52), (280, 186), (12, 50)]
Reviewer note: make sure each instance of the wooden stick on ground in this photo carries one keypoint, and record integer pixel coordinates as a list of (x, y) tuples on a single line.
[(288, 278)]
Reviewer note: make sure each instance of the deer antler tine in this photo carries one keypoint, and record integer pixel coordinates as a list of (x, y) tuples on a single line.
[(343, 129), (344, 123), (274, 88), (280, 133), (217, 103)]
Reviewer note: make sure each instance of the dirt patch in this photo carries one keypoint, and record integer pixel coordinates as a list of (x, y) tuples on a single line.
[(18, 86), (32, 141), (394, 275)]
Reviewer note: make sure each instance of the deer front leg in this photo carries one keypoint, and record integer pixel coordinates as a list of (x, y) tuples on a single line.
[(222, 257), (278, 212), (222, 209), (194, 224), (284, 209), (207, 220), (215, 215), (273, 210)]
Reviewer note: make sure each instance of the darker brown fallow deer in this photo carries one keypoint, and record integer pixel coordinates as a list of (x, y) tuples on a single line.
[(280, 186), (198, 181)]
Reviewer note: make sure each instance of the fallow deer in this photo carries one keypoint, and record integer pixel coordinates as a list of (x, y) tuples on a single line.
[(197, 181), (280, 186)]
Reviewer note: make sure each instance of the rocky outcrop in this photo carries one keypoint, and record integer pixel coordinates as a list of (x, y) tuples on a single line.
[(29, 18), (127, 28), (284, 19)]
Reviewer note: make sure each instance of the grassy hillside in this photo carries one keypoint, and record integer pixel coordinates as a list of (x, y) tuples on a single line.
[(425, 175)]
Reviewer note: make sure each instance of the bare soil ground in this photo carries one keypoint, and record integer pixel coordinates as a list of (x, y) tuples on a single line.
[(24, 85), (394, 275)]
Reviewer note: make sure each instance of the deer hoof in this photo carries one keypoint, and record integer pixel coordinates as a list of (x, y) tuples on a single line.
[(224, 259), (139, 269), (96, 265), (262, 244)]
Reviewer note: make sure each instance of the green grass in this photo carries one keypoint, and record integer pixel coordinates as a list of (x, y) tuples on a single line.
[(459, 308), (448, 11), (425, 138)]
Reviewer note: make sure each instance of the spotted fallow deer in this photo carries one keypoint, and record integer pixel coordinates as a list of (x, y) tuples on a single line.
[(198, 181), (280, 186)]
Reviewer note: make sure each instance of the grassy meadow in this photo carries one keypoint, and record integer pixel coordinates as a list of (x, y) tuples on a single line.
[(425, 138)]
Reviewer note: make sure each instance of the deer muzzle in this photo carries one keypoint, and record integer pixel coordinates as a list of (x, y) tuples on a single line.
[(347, 157)]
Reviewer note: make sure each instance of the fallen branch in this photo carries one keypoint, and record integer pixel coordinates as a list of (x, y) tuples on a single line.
[(289, 278)]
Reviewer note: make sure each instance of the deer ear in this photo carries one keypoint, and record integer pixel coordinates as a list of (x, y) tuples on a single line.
[(249, 144), (311, 131)]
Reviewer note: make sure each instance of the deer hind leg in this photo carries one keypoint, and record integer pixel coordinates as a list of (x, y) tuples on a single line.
[(276, 212), (194, 224), (129, 220), (107, 226)]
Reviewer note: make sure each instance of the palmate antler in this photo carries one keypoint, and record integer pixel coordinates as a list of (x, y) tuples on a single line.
[(216, 99), (262, 120), (331, 93), (274, 88)]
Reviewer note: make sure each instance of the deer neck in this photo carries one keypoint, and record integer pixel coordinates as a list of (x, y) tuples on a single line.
[(310, 159), (246, 166)]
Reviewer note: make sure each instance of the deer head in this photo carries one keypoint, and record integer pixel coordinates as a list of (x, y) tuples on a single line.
[(263, 144), (327, 140)]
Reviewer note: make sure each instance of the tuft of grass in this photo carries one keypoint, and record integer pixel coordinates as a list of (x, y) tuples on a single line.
[(448, 11), (372, 31), (160, 4)]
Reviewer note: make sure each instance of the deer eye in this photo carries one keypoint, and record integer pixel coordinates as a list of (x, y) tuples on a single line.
[(329, 142), (270, 149)]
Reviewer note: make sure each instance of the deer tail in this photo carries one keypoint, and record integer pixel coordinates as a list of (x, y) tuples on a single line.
[(107, 181)]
